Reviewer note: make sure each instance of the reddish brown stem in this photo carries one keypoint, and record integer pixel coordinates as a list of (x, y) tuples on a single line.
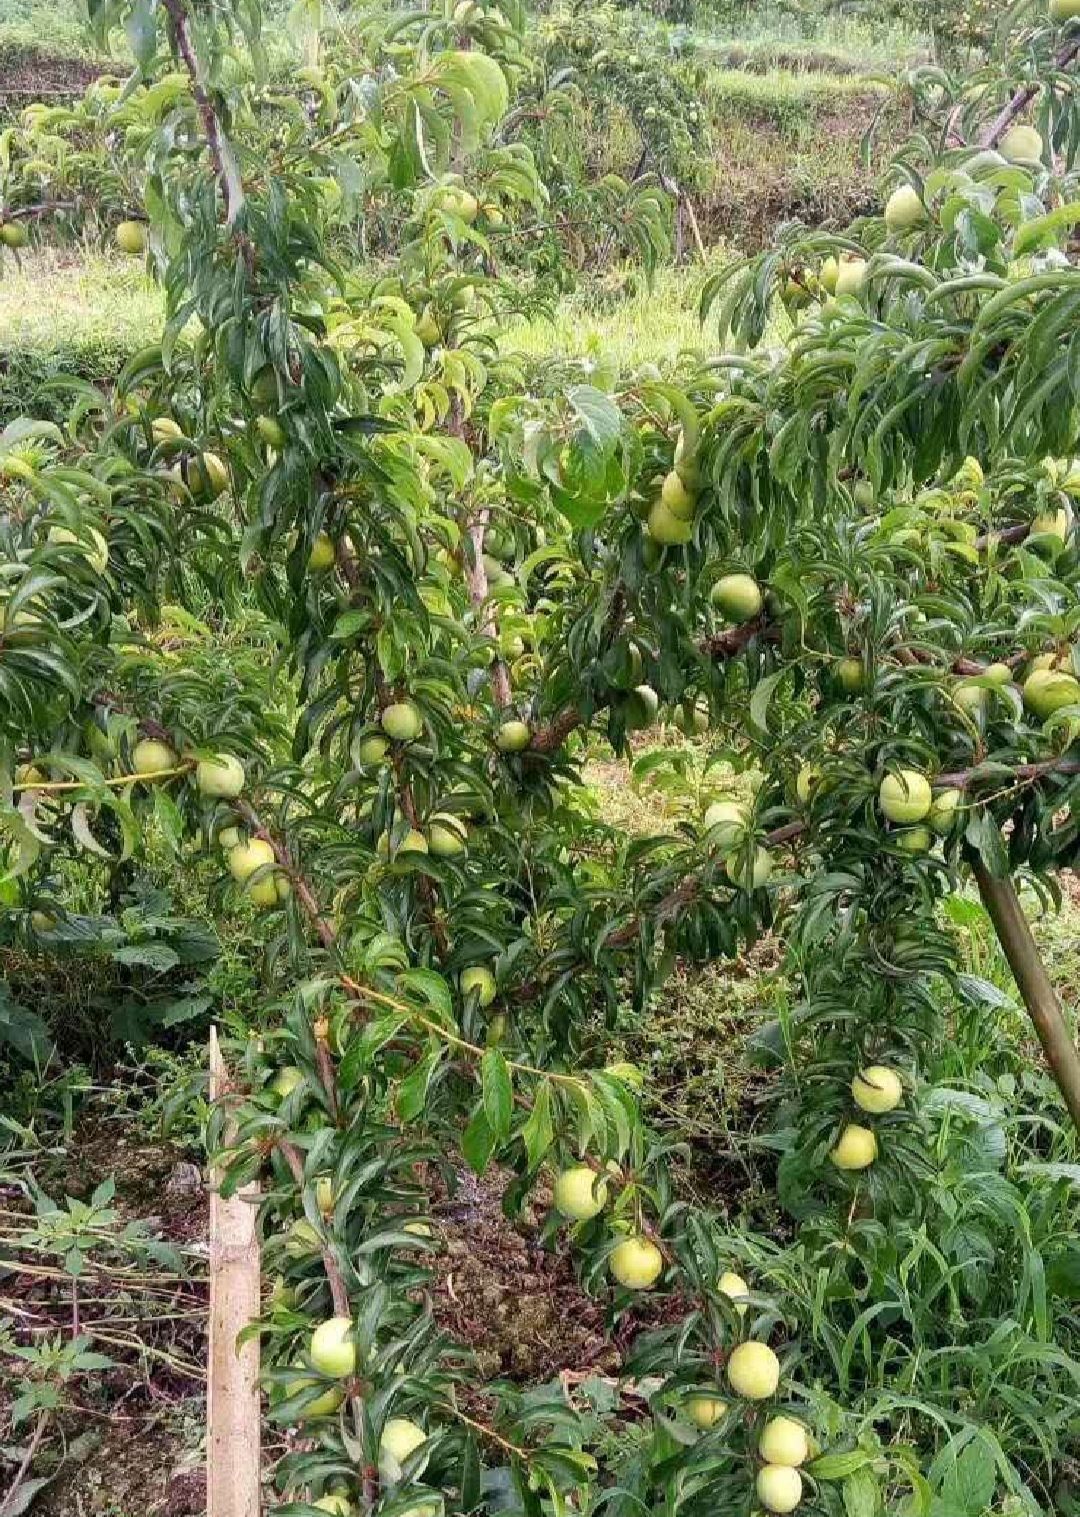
[(1023, 97), (335, 1279), (228, 177), (477, 581), (305, 895)]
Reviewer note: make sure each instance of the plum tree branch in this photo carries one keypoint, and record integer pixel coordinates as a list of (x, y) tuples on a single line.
[(335, 1279), (1023, 96), (477, 581), (718, 646), (225, 168)]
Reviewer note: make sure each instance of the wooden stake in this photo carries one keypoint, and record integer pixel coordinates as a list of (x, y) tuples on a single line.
[(1014, 934), (232, 1390)]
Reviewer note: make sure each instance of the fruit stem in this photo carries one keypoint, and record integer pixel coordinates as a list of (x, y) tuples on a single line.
[(487, 1432), (1043, 1006), (365, 992), (115, 783)]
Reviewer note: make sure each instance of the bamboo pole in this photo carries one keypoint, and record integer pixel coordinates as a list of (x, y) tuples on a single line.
[(232, 1388), (1014, 933)]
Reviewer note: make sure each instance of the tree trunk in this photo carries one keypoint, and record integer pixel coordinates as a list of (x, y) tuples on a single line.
[(1014, 934)]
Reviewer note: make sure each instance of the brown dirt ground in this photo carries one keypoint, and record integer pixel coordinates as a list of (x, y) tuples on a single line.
[(26, 75), (134, 1434)]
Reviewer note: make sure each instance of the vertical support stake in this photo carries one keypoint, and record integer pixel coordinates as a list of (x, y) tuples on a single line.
[(233, 1410), (1039, 996)]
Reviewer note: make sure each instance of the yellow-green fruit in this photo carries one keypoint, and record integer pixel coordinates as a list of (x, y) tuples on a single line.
[(287, 1079), (862, 492), (400, 1439), (372, 750), (336, 1504), (851, 675), (734, 1287), (943, 811), (402, 721), (164, 429), (914, 839), (271, 431), (726, 821), (753, 1371), (1047, 690), (904, 210), (970, 698), (636, 1263), (905, 797), (324, 1195), (479, 982), (301, 1240), (427, 328), (248, 857), (668, 529), (876, 1089), (580, 1194), (705, 1411), (207, 476), (323, 1405), (828, 274), (14, 235), (695, 718), (131, 237), (676, 497), (413, 842), (221, 777), (461, 203), (1051, 524), (783, 1441), (96, 551), (749, 874), (446, 835), (264, 387), (806, 782), (998, 674), (333, 1350), (737, 596), (1021, 144), (642, 707), (323, 554), (513, 737), (511, 646), (850, 276), (149, 755), (1064, 10), (779, 1487), (856, 1149)]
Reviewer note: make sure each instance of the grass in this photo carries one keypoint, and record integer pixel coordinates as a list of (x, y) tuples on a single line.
[(769, 31), (70, 311), (59, 296), (44, 26), (624, 324)]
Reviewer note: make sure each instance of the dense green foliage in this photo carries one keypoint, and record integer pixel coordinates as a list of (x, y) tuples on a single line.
[(833, 563)]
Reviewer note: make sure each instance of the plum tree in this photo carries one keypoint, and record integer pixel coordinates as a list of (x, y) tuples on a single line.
[(872, 491)]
